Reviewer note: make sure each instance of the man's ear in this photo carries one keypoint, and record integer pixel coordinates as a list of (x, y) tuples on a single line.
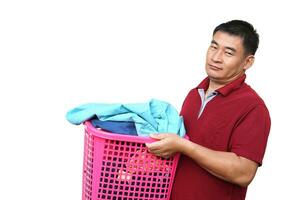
[(248, 62)]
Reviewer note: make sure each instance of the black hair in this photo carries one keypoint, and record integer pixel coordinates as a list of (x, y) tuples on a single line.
[(245, 31)]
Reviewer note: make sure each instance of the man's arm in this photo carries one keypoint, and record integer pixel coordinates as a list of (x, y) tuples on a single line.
[(225, 165)]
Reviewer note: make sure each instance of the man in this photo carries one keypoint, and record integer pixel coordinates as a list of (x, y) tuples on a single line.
[(227, 122)]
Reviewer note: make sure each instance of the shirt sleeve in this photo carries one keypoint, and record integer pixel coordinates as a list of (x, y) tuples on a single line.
[(250, 136)]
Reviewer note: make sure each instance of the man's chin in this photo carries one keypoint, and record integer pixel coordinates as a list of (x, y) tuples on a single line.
[(213, 76)]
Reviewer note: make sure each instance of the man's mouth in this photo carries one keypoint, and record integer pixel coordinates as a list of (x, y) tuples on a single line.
[(214, 67)]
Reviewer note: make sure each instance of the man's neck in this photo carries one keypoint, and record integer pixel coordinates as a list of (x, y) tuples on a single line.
[(213, 86), (216, 84)]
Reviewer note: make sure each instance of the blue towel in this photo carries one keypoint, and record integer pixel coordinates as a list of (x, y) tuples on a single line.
[(153, 117), (126, 128)]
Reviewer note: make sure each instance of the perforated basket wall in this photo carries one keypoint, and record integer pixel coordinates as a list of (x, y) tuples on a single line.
[(119, 167)]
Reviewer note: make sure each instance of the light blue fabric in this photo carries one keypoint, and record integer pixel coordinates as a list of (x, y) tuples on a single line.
[(153, 117), (205, 100)]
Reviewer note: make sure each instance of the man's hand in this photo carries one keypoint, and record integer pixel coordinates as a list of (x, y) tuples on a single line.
[(167, 145)]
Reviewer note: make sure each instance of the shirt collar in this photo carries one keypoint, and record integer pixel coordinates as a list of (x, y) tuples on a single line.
[(225, 90)]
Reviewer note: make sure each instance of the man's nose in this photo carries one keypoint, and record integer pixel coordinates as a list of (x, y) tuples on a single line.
[(217, 56)]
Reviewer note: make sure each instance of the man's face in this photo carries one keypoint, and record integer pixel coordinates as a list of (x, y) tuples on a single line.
[(225, 59)]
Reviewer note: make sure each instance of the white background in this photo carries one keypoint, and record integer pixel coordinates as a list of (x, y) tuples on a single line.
[(55, 55)]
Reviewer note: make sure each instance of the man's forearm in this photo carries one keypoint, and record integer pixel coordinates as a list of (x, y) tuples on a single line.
[(225, 165)]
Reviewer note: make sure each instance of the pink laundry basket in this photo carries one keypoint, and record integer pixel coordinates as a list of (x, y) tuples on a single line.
[(119, 167)]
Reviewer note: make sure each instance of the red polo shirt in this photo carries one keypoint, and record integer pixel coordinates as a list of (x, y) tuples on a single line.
[(236, 120)]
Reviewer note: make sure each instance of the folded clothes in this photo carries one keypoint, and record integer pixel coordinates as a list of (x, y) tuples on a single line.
[(126, 128), (153, 117)]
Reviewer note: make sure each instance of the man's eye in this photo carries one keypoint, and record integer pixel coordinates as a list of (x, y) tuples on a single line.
[(213, 47), (228, 53)]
